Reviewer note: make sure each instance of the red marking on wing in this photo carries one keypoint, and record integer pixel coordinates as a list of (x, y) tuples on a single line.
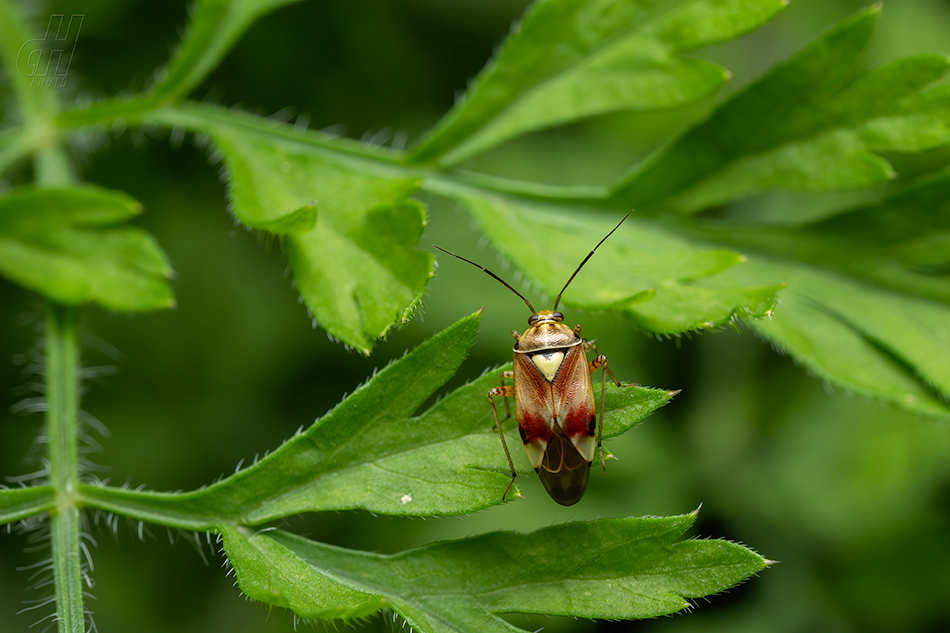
[(563, 408), (533, 402), (573, 395)]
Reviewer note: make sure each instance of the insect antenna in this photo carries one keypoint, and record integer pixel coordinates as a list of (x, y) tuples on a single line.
[(558, 300), (505, 283)]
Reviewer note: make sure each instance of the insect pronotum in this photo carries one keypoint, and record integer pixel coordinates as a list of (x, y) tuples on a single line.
[(554, 396)]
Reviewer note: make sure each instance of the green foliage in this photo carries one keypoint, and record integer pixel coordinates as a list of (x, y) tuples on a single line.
[(356, 268), (367, 453), (60, 243), (20, 503), (662, 282), (858, 295), (446, 461), (813, 123), (214, 28), (627, 569), (568, 60)]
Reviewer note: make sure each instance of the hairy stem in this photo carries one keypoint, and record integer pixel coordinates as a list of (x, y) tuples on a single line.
[(62, 370)]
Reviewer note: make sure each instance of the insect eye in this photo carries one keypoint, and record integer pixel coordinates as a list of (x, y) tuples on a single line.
[(533, 319), (557, 316)]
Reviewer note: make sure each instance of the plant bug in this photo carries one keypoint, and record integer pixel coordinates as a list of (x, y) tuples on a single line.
[(554, 396)]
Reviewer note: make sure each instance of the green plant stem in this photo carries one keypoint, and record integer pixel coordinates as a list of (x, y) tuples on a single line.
[(62, 358), (35, 104), (62, 370), (67, 570), (52, 168), (38, 106)]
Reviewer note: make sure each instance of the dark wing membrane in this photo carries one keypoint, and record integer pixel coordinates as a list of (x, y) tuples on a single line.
[(564, 471)]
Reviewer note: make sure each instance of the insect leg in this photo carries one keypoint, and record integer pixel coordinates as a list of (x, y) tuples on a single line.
[(595, 365), (507, 374), (601, 362), (505, 391)]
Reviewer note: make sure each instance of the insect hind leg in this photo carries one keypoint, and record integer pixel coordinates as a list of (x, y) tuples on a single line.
[(600, 362), (505, 391)]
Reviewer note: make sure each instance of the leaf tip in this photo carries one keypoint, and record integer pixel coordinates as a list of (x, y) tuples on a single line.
[(672, 394), (768, 562), (695, 513)]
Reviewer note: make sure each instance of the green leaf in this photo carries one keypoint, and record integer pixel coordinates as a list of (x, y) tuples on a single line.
[(21, 503), (383, 278), (897, 243), (351, 230), (868, 299), (807, 125), (61, 243), (269, 572), (568, 60), (662, 282), (214, 27), (375, 453), (867, 340), (611, 569)]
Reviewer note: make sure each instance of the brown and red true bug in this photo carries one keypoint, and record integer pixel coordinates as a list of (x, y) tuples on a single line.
[(554, 396)]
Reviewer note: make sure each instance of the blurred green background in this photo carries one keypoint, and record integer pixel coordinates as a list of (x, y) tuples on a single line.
[(852, 497)]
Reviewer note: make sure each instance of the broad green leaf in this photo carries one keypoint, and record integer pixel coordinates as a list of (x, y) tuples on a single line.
[(807, 125), (868, 340), (568, 60), (20, 503), (375, 453), (62, 244), (663, 282), (611, 569), (351, 231), (214, 27), (894, 243), (269, 572), (867, 302)]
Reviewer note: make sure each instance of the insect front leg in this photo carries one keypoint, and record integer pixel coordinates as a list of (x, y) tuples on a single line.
[(510, 375), (505, 391), (603, 361)]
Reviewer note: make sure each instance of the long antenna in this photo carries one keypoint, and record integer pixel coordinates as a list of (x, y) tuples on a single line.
[(558, 300), (505, 283)]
